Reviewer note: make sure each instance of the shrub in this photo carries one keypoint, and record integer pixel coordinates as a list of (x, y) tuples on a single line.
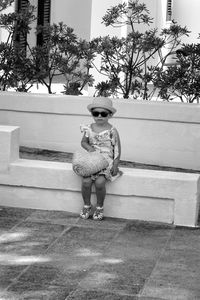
[(62, 54), (126, 61), (182, 80)]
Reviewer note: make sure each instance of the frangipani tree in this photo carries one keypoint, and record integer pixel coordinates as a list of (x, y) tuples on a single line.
[(16, 68), (126, 61), (5, 3), (61, 54), (182, 80)]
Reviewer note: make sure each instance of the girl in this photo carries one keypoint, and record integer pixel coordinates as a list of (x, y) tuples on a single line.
[(103, 137)]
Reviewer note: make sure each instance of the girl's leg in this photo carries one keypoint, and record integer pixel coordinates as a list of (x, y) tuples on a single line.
[(100, 185), (86, 190), (86, 194)]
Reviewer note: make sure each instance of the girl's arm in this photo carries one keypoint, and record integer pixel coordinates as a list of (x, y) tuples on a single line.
[(117, 154), (85, 144)]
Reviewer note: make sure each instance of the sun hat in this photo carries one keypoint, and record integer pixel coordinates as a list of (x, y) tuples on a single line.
[(102, 102)]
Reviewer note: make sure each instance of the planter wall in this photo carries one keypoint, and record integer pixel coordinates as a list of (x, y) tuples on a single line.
[(159, 133)]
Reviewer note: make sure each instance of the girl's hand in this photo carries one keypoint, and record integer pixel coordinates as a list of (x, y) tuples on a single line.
[(91, 149), (114, 169)]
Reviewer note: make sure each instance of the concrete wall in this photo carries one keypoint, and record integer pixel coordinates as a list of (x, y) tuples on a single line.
[(186, 13), (150, 195), (76, 14), (160, 133)]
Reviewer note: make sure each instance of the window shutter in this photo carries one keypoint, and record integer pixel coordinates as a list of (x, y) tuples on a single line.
[(44, 7), (21, 38), (22, 4), (46, 12), (169, 10)]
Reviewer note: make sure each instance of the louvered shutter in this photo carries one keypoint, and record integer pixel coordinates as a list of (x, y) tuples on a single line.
[(43, 19), (21, 37), (169, 10), (22, 4)]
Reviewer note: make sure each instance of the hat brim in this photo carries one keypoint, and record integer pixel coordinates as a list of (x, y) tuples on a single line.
[(93, 106)]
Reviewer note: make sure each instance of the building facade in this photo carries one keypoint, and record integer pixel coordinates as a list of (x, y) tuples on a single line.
[(86, 16)]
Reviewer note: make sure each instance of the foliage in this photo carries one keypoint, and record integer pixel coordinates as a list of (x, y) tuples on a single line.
[(126, 61), (5, 3), (15, 67), (62, 54), (183, 79), (129, 63)]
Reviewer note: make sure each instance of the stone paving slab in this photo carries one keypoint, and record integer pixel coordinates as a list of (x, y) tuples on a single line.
[(52, 255), (177, 273)]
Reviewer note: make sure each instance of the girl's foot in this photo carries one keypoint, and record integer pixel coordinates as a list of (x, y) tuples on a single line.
[(98, 214), (85, 212)]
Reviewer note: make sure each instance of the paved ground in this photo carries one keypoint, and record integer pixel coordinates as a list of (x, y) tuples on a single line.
[(56, 256)]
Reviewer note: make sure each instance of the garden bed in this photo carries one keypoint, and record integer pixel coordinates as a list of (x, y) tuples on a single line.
[(50, 155)]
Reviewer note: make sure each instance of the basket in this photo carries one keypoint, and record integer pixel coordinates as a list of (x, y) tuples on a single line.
[(86, 163)]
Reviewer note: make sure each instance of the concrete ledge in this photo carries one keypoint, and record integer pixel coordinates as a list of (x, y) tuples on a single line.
[(160, 196), (168, 197), (9, 146)]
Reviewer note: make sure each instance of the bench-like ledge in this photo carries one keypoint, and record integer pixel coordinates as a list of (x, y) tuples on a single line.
[(150, 195)]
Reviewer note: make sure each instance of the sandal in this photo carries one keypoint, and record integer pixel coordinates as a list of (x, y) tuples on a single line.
[(98, 214), (85, 212)]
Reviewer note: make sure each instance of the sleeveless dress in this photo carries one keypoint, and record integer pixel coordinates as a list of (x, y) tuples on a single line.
[(104, 142)]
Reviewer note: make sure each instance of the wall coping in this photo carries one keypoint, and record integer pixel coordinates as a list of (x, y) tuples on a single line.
[(77, 105)]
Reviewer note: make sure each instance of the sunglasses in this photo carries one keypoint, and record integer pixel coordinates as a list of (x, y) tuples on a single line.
[(103, 114)]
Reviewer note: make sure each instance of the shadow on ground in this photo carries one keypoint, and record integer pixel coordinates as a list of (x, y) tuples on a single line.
[(55, 255)]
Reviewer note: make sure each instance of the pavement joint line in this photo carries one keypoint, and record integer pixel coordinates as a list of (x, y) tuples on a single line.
[(111, 241), (50, 222), (157, 261), (15, 226), (68, 229), (92, 227), (113, 292)]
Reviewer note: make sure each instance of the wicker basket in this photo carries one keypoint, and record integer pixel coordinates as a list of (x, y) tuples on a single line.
[(88, 163)]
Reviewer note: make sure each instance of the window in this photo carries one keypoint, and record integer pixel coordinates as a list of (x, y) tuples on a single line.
[(43, 19), (169, 10)]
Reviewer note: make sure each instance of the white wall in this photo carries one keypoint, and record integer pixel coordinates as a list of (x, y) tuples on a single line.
[(160, 16), (160, 133), (186, 12), (76, 14), (99, 9)]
